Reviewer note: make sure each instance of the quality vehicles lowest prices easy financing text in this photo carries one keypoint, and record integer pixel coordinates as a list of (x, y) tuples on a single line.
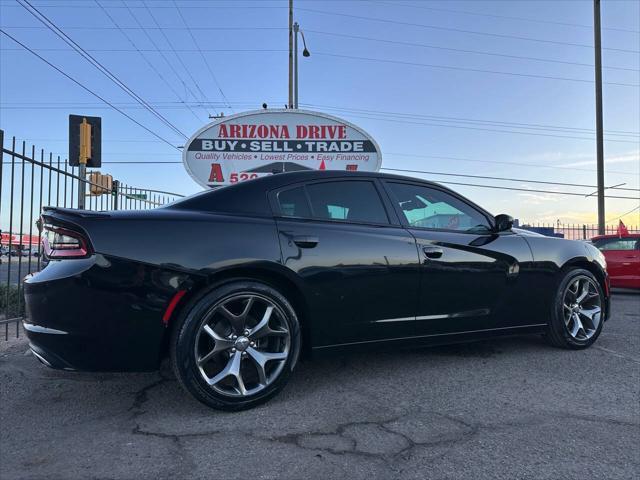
[(235, 284)]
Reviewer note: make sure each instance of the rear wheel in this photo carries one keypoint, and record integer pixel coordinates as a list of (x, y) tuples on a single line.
[(577, 316), (236, 347)]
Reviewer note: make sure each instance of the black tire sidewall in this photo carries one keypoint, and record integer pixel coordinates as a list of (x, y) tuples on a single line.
[(560, 330), (185, 334)]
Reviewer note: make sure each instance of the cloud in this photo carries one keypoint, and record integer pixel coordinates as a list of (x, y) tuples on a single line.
[(558, 156), (537, 198), (624, 158)]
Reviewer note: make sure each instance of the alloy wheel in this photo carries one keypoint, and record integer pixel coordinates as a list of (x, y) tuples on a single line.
[(242, 344), (582, 308)]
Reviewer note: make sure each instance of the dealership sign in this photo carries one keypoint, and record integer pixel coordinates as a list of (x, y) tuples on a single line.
[(263, 142)]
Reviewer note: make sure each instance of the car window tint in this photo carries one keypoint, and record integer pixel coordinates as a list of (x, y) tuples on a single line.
[(616, 244), (426, 207), (356, 201), (293, 203)]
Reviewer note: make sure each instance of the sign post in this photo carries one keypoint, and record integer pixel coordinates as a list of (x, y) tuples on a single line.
[(265, 142)]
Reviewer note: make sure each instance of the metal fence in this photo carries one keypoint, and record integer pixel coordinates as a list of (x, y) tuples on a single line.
[(31, 178), (576, 231)]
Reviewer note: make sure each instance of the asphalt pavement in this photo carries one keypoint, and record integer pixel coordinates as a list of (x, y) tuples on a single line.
[(14, 268), (504, 409)]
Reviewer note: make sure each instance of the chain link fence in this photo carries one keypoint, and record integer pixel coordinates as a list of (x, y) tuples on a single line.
[(30, 179)]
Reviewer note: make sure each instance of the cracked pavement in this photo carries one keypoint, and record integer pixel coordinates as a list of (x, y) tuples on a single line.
[(500, 409)]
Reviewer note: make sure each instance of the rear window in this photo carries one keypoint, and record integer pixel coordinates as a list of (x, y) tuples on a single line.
[(247, 198), (356, 201), (605, 244), (293, 203)]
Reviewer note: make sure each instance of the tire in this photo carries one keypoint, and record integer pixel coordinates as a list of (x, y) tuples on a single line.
[(575, 323), (225, 355)]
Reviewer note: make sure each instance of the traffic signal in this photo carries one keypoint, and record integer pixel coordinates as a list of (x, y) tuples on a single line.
[(85, 141), (100, 184)]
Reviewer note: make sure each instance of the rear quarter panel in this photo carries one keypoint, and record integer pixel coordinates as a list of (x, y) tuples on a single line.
[(200, 243), (117, 297), (551, 256)]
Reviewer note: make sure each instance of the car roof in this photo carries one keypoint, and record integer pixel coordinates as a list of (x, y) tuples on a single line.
[(250, 197), (615, 235), (286, 178)]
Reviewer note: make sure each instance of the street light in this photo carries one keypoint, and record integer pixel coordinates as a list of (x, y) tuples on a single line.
[(305, 53)]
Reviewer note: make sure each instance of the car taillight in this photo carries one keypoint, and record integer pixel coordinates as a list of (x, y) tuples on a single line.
[(58, 242)]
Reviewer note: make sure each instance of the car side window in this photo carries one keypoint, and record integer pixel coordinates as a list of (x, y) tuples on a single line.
[(616, 244), (293, 203), (425, 207), (356, 201)]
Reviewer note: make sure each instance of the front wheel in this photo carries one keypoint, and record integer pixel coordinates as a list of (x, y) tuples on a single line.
[(578, 311), (236, 346)]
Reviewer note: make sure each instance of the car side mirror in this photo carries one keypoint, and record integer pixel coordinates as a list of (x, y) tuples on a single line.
[(503, 222)]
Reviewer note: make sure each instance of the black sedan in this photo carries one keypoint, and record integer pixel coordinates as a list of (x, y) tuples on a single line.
[(235, 284)]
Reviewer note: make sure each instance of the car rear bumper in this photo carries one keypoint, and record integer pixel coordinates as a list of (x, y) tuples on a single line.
[(98, 314)]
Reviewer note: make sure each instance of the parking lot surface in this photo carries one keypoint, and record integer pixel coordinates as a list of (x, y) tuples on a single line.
[(503, 409), (13, 269)]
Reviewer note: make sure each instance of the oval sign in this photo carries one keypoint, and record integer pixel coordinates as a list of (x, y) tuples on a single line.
[(263, 142)]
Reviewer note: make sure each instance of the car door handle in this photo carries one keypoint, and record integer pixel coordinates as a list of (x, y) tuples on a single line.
[(305, 241), (432, 252)]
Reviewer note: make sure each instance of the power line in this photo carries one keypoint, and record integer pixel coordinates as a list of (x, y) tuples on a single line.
[(164, 57), (169, 162), (498, 162), (89, 90), (468, 69), (173, 162), (395, 4), (334, 34), (206, 62), (98, 27), (497, 187), (181, 50), (145, 58), (385, 113), (467, 124), (399, 120), (533, 126), (87, 56), (508, 17), (461, 50), (418, 171), (485, 177), (459, 30), (623, 215), (195, 82), (426, 172)]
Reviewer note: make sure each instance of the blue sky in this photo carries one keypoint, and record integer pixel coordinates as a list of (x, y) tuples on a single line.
[(420, 76)]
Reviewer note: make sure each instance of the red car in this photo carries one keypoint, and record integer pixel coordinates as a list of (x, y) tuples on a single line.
[(623, 258)]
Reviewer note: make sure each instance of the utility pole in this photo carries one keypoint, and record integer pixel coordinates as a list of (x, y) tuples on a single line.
[(599, 131), (291, 53), (296, 29)]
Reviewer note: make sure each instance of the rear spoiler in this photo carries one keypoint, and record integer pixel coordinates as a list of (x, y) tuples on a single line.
[(70, 218), (57, 212)]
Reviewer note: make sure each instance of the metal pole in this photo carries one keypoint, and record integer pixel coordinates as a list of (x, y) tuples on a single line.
[(290, 53), (82, 175), (296, 28), (116, 191), (599, 133)]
